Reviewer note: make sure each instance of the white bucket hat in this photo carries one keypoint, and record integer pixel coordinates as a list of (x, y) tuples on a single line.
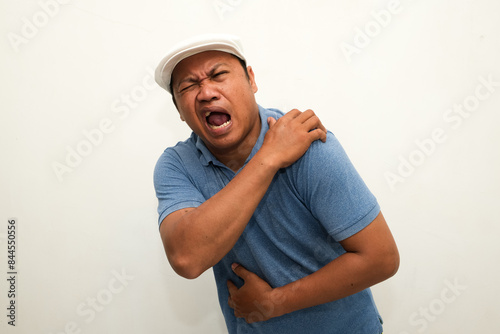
[(210, 42)]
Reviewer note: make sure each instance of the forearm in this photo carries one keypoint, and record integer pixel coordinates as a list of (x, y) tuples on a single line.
[(201, 237), (348, 274), (371, 257)]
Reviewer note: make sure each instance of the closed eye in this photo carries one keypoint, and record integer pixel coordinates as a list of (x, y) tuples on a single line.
[(190, 83), (218, 74), (183, 89)]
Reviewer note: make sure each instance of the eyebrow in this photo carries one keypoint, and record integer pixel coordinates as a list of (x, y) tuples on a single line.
[(193, 79)]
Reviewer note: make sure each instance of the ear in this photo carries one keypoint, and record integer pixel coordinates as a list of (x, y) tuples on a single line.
[(251, 76)]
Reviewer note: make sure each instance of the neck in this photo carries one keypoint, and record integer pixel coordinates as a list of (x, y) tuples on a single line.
[(235, 158)]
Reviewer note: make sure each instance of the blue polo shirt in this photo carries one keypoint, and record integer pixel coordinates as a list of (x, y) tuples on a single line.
[(309, 207)]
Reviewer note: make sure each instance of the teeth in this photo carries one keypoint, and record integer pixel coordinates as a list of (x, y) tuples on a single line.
[(207, 113), (220, 126)]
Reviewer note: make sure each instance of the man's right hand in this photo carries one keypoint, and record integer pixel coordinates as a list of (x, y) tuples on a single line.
[(290, 136)]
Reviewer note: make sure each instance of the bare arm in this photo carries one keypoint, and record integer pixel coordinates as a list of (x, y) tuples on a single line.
[(195, 239), (371, 257)]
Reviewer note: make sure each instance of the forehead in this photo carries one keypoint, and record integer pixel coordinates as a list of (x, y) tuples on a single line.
[(201, 62)]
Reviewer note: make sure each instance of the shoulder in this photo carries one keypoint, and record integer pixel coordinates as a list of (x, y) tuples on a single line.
[(269, 112), (182, 148), (324, 162), (331, 150), (180, 154)]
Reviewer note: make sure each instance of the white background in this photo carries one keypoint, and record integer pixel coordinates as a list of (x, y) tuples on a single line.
[(74, 70)]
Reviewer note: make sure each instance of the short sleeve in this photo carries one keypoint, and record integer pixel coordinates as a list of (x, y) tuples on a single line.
[(174, 188), (334, 191)]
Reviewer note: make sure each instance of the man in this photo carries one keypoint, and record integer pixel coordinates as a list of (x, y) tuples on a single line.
[(270, 201)]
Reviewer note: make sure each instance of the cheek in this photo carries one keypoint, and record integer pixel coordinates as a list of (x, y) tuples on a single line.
[(185, 112), (189, 118), (185, 108)]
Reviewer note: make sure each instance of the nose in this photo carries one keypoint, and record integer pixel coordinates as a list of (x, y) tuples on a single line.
[(208, 91)]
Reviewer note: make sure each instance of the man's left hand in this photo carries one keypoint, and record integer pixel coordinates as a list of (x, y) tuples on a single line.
[(255, 300)]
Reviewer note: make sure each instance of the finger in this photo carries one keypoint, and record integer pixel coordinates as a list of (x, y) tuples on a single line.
[(324, 132), (232, 288), (317, 134), (239, 270), (293, 113), (304, 116), (313, 123), (322, 127), (237, 313), (271, 121)]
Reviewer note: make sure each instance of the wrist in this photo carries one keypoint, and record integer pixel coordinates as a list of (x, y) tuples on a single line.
[(267, 160), (279, 301)]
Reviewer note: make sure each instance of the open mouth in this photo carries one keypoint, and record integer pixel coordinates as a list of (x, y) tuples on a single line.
[(217, 120)]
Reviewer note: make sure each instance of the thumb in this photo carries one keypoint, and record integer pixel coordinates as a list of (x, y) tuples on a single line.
[(271, 121)]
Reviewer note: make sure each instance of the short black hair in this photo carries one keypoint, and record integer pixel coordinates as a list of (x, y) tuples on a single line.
[(242, 62)]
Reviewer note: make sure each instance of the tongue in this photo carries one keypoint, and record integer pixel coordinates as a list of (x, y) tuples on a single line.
[(217, 118)]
